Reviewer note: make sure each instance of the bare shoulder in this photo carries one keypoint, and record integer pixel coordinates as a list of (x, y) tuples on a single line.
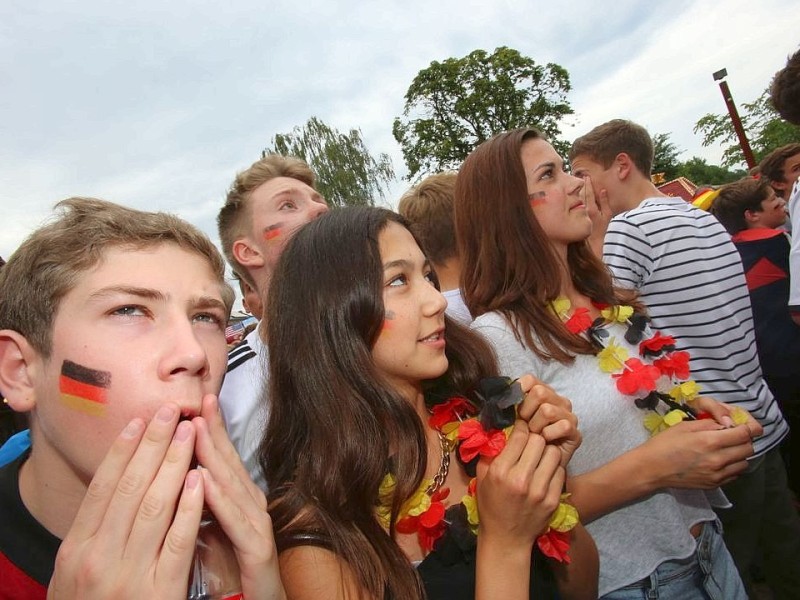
[(311, 572)]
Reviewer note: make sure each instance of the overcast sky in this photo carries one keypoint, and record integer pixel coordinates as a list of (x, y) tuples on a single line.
[(157, 104)]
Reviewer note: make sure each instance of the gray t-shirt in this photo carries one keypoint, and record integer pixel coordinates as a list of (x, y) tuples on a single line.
[(634, 539)]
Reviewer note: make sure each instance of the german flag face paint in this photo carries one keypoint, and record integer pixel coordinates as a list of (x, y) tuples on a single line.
[(537, 198), (273, 232), (84, 389), (387, 321)]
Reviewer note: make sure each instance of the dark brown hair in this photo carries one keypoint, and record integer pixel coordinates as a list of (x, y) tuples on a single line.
[(336, 427), (771, 166), (785, 90), (737, 198), (509, 263)]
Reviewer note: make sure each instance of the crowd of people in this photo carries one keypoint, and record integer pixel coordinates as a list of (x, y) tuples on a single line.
[(529, 382)]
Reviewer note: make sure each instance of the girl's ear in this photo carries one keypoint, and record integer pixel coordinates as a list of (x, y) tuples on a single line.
[(19, 363)]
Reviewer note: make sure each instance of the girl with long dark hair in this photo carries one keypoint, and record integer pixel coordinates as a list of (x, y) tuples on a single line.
[(371, 386), (549, 307)]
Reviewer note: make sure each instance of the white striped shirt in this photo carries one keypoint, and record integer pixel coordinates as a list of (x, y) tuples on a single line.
[(690, 276)]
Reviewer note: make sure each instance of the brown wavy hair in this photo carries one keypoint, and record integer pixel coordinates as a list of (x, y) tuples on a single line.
[(509, 264), (336, 426)]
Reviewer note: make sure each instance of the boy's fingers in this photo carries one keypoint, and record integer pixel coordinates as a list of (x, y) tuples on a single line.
[(158, 504), (133, 484), (177, 555), (98, 495)]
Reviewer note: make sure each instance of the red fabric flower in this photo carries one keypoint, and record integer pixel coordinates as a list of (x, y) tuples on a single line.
[(637, 377), (430, 525), (656, 343), (555, 544), (475, 440), (580, 320), (447, 412), (674, 364), (600, 305)]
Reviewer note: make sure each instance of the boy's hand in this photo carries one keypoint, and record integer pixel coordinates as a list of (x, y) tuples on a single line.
[(238, 504), (128, 539), (549, 415), (723, 414)]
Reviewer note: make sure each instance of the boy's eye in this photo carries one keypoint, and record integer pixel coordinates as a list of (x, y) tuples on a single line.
[(287, 204), (209, 318), (129, 311)]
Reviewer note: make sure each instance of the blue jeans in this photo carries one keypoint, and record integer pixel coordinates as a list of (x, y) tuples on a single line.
[(708, 574)]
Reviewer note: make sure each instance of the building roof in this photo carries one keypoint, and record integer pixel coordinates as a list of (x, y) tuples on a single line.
[(680, 187)]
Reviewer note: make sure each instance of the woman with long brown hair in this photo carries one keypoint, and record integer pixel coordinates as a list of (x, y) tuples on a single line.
[(549, 307), (370, 387)]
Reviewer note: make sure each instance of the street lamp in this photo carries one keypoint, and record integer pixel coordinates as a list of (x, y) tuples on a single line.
[(737, 123)]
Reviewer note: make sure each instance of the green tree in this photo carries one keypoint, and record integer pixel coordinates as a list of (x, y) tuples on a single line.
[(699, 172), (454, 105), (347, 174), (764, 128), (666, 155)]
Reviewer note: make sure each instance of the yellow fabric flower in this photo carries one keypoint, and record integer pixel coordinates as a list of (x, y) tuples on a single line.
[(617, 313), (561, 305), (656, 423), (738, 416), (471, 504), (419, 502), (565, 517), (686, 391), (450, 432), (612, 358)]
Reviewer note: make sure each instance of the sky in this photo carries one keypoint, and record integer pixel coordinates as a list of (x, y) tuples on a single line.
[(157, 105)]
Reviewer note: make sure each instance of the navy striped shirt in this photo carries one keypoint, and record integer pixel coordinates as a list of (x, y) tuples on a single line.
[(690, 276)]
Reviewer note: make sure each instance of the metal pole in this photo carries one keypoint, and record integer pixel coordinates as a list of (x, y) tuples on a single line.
[(737, 122)]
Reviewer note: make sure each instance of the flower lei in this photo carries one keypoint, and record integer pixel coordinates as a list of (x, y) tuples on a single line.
[(658, 380), (475, 434)]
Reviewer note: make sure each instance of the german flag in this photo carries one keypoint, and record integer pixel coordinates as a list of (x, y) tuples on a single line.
[(83, 389), (273, 231)]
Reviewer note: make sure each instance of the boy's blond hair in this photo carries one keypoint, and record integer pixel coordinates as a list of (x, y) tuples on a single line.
[(51, 261), (428, 206), (234, 219)]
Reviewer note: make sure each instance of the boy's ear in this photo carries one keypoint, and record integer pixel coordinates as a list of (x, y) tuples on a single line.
[(623, 166), (18, 364), (752, 217), (247, 254)]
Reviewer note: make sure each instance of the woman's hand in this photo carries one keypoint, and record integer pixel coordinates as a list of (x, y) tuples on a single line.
[(520, 488), (549, 415)]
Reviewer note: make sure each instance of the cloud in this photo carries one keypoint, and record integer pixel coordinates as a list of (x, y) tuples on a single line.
[(158, 107)]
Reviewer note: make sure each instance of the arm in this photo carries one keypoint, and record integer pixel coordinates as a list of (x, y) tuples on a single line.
[(692, 454), (578, 580), (627, 252)]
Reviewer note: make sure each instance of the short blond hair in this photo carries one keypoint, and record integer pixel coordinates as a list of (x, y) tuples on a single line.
[(51, 261), (234, 220), (428, 206)]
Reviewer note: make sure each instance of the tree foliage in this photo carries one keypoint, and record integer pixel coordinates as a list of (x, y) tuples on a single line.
[(347, 174), (454, 105), (764, 128), (699, 172), (666, 155)]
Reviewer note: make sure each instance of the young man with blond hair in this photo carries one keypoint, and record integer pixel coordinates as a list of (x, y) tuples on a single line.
[(112, 340), (690, 277), (266, 204)]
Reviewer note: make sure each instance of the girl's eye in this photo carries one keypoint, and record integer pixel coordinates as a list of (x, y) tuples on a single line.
[(397, 281), (547, 174), (431, 277), (129, 311)]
